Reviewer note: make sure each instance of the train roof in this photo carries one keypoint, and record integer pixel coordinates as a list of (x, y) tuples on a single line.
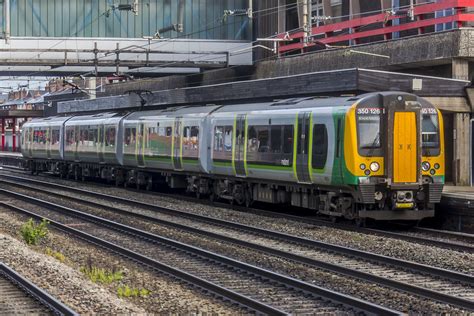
[(93, 117), (175, 111)]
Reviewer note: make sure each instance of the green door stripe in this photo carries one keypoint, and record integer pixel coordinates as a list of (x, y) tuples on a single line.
[(233, 144)]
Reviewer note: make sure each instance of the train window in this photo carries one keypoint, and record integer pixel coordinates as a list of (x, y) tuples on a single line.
[(168, 131), (288, 132), (228, 138), (275, 139), (130, 136), (263, 139), (320, 146), (252, 139), (430, 131), (219, 138), (55, 136), (369, 131), (110, 136), (191, 138)]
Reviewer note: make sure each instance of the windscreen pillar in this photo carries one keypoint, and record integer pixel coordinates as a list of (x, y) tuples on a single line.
[(462, 146)]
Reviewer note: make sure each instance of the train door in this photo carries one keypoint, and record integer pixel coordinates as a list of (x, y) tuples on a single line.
[(405, 147), (239, 148), (77, 137), (29, 141), (48, 142), (140, 144), (176, 152), (100, 142), (302, 147)]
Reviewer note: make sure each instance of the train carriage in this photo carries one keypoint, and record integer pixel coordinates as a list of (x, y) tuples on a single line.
[(43, 138)]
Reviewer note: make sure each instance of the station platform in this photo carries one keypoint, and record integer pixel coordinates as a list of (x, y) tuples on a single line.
[(11, 158), (456, 209), (10, 154)]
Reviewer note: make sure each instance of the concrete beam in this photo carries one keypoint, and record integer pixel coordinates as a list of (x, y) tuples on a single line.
[(462, 148), (450, 104), (412, 52)]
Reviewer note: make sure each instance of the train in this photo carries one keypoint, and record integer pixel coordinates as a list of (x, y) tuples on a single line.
[(373, 156)]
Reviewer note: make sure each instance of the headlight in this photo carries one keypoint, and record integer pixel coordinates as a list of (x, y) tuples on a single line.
[(362, 166), (437, 166), (425, 166), (374, 167)]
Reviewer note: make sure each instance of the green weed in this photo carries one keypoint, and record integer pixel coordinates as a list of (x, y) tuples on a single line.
[(33, 232), (55, 254), (126, 291), (101, 275)]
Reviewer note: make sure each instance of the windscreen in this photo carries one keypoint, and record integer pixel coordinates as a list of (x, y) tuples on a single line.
[(429, 130), (369, 129)]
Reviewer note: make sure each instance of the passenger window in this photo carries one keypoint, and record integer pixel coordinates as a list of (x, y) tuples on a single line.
[(130, 134), (275, 139), (262, 139), (191, 137), (228, 138), (288, 139), (320, 146), (219, 138), (110, 136), (252, 140)]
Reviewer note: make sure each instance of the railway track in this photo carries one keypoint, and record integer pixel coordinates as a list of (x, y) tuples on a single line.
[(442, 239), (20, 297), (425, 281), (257, 289)]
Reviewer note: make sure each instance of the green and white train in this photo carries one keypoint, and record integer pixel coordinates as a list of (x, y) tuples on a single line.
[(377, 155)]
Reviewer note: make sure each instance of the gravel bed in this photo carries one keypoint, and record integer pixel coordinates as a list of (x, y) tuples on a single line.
[(63, 280), (430, 255), (363, 290)]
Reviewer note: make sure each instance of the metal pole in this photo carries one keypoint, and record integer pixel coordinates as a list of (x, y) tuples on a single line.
[(305, 23), (6, 9), (117, 59), (14, 135), (3, 134)]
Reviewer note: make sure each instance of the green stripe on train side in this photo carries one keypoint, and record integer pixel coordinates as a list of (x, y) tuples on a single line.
[(310, 148), (194, 162), (222, 163), (270, 167)]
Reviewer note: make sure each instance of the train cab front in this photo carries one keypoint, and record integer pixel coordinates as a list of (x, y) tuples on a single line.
[(400, 148)]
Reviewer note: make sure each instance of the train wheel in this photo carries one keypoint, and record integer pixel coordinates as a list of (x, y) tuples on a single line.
[(149, 186), (212, 197), (361, 222)]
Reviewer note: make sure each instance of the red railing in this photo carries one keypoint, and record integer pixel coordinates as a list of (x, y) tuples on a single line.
[(353, 30)]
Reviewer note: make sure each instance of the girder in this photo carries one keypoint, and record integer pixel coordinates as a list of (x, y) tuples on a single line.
[(138, 56)]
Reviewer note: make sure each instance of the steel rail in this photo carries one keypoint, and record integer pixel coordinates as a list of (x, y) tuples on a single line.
[(311, 221), (311, 289), (381, 259), (447, 233), (400, 286), (50, 302)]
